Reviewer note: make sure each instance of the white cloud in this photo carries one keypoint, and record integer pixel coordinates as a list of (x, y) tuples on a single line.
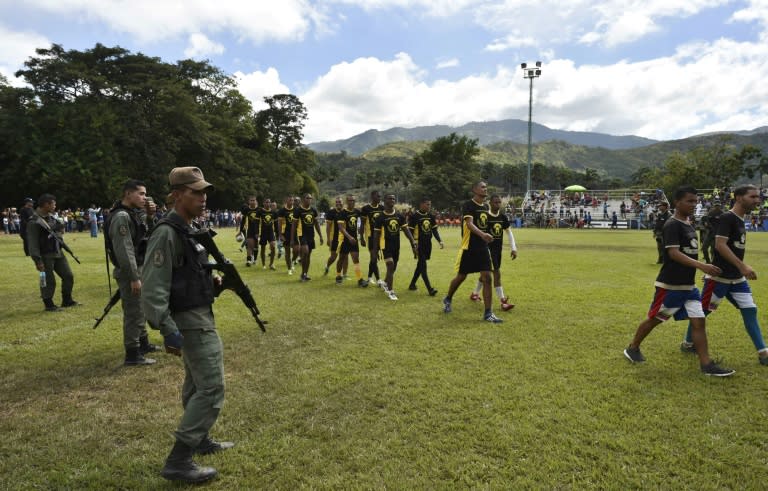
[(691, 92), (509, 42), (449, 63), (200, 46), (15, 48), (153, 21), (257, 85)]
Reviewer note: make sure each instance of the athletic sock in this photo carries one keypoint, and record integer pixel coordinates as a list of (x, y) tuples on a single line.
[(478, 288), (500, 292), (358, 273), (753, 327)]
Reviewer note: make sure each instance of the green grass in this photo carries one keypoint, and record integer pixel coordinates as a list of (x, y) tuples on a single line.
[(350, 390)]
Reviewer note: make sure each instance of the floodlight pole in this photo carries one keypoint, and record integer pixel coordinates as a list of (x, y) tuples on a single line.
[(530, 74)]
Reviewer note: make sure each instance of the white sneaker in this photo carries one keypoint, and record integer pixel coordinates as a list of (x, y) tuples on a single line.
[(391, 294), (383, 285), (290, 271)]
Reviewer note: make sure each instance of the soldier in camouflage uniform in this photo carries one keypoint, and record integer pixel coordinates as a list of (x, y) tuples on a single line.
[(126, 230), (178, 293), (46, 252)]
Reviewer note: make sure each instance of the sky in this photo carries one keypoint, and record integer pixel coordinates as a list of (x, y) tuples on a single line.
[(661, 69)]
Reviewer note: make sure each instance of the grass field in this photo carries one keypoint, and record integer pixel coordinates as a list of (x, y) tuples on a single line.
[(349, 390)]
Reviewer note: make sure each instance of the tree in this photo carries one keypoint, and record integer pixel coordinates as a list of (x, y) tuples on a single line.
[(283, 122), (446, 170)]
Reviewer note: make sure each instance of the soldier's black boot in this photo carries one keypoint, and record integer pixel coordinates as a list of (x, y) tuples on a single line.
[(179, 466), (145, 346), (68, 301), (50, 306), (134, 356), (209, 446)]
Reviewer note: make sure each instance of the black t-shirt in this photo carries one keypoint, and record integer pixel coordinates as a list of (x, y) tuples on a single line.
[(267, 220), (732, 227), (306, 221), (349, 217), (250, 223), (423, 226), (480, 215), (287, 215), (389, 226), (496, 226), (681, 235), (331, 217), (658, 225), (371, 213)]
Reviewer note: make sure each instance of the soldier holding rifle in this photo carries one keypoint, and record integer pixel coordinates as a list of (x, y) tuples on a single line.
[(177, 295), (45, 248), (125, 239)]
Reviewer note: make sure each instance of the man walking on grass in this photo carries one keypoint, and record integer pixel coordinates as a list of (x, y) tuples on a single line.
[(676, 293), (474, 257), (730, 246)]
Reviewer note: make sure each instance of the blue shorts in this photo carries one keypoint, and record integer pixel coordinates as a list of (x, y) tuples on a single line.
[(682, 304), (739, 294)]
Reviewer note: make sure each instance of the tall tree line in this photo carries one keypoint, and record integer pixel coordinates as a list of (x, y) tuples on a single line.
[(91, 119)]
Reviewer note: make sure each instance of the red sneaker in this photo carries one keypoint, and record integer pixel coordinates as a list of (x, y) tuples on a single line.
[(505, 305), (474, 297)]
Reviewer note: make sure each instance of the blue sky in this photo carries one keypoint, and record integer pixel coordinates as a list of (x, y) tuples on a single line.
[(662, 69)]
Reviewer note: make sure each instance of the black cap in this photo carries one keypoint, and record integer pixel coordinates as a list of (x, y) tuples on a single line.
[(28, 200)]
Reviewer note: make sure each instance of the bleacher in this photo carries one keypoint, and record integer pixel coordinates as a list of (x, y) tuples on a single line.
[(557, 208)]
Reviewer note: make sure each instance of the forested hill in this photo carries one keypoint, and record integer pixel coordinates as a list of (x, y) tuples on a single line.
[(552, 160), (487, 133)]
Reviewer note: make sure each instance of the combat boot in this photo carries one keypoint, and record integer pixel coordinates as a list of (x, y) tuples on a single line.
[(179, 466), (50, 306), (68, 301), (209, 446), (133, 356), (145, 346)]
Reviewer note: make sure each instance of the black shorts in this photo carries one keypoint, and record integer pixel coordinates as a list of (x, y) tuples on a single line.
[(334, 245), (346, 247), (391, 253), (425, 250), (474, 261), (266, 237), (495, 257), (288, 239), (252, 232), (308, 241)]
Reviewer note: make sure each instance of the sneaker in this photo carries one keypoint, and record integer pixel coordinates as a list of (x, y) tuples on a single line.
[(687, 347), (447, 305), (248, 263), (506, 305), (52, 308), (763, 360), (491, 317), (712, 369), (361, 283), (634, 355), (382, 284), (272, 267), (325, 271), (474, 297), (432, 292), (391, 294), (263, 266), (412, 288), (69, 303), (290, 272), (339, 280)]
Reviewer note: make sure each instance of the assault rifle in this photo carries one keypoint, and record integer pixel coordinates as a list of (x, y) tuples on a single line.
[(58, 239), (231, 280), (112, 301)]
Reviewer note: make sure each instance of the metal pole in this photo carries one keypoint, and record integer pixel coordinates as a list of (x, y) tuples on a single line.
[(530, 118)]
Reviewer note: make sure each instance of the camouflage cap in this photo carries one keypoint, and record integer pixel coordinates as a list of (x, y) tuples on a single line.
[(192, 177)]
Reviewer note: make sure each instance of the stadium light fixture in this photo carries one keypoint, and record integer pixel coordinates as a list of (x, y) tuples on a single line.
[(530, 74)]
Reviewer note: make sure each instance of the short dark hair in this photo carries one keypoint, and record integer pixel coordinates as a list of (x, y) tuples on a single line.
[(682, 191), (424, 199), (744, 189), (45, 198), (133, 185), (494, 196)]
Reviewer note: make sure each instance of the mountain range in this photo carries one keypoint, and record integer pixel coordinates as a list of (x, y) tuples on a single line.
[(486, 132)]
